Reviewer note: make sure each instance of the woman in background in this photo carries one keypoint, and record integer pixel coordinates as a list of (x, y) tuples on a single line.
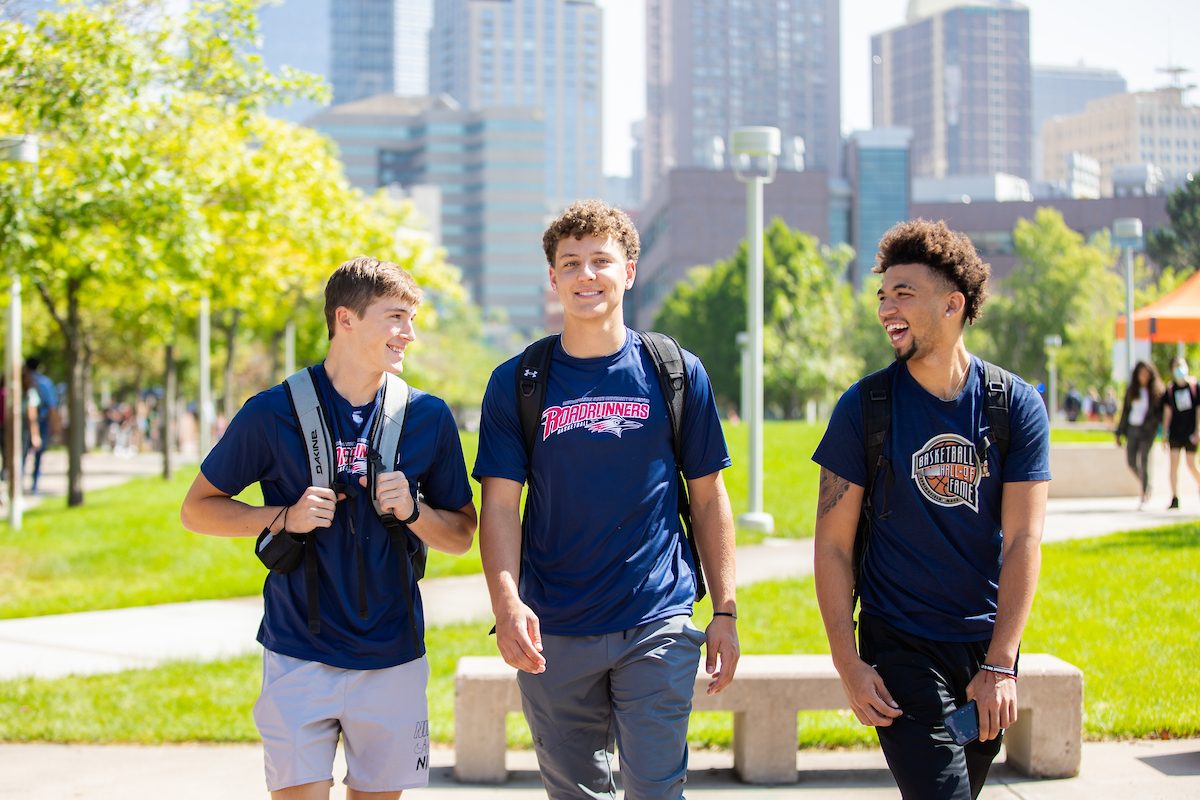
[(1140, 415)]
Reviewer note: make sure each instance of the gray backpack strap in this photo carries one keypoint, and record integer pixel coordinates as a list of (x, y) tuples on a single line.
[(388, 428), (301, 389), (306, 405)]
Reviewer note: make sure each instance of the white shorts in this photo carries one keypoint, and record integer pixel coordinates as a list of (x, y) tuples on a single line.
[(382, 716)]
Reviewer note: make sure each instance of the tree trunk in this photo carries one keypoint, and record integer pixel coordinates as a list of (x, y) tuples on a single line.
[(230, 352), (167, 411), (76, 359), (277, 345)]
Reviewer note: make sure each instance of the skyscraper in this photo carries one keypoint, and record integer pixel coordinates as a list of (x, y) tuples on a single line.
[(1058, 91), (713, 65), (1137, 129), (958, 75), (877, 167), (360, 47), (491, 216), (537, 53)]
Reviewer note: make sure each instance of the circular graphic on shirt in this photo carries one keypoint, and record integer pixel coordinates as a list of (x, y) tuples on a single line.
[(946, 472)]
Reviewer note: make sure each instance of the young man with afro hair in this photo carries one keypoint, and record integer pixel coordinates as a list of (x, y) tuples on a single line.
[(948, 578)]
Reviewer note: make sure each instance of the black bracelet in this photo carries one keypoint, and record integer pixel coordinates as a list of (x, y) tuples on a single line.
[(724, 614), (415, 515)]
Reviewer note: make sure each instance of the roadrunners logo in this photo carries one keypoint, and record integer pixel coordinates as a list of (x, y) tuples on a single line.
[(946, 472), (613, 415)]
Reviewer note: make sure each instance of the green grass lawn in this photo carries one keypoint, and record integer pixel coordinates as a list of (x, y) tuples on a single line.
[(1070, 434), (126, 547), (789, 476), (1119, 607)]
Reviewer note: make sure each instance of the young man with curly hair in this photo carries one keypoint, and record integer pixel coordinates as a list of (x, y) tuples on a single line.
[(593, 598), (955, 525)]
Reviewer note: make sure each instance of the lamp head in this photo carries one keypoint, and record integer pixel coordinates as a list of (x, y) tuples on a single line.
[(755, 152), (1127, 232), (19, 148)]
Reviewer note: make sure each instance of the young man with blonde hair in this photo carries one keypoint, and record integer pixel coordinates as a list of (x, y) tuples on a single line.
[(593, 596), (343, 628)]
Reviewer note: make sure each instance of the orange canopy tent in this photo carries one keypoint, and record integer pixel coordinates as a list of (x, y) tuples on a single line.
[(1174, 317)]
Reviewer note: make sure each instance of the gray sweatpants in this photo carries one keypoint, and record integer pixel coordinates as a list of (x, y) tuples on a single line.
[(634, 687)]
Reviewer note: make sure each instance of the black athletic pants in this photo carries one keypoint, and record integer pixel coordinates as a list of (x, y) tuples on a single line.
[(928, 680)]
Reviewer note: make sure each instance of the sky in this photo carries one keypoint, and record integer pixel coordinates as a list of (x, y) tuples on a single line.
[(1134, 38)]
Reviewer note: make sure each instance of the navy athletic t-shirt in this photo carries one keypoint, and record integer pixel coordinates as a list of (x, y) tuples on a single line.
[(604, 549), (933, 566), (263, 444)]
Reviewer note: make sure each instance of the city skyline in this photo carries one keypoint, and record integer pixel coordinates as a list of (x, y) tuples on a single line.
[(1097, 38)]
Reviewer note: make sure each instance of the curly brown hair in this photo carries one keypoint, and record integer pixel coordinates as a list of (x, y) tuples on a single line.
[(592, 218), (951, 255)]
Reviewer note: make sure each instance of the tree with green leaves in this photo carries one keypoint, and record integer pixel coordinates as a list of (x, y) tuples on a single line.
[(807, 310), (1179, 244), (162, 181), (1064, 286)]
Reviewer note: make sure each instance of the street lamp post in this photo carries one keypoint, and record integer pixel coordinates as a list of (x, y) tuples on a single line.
[(1052, 342), (22, 149), (1127, 231), (755, 154)]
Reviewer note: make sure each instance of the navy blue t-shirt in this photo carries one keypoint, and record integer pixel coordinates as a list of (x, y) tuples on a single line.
[(604, 549), (263, 444), (933, 567)]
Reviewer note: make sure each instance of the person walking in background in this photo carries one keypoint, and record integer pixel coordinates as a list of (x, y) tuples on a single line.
[(1140, 415), (47, 416), (1179, 421), (955, 501)]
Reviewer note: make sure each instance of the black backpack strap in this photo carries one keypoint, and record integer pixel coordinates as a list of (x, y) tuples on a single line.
[(998, 392), (667, 356), (875, 398), (532, 374)]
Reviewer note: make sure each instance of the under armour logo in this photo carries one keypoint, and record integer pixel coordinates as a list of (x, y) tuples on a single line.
[(531, 374)]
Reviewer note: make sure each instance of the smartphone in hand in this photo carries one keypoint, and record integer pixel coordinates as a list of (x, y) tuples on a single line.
[(963, 723)]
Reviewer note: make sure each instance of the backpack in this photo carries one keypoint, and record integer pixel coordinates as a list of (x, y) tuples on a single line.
[(875, 395), (532, 376), (384, 437)]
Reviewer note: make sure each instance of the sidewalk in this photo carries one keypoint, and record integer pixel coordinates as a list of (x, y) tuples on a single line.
[(1111, 771), (106, 641)]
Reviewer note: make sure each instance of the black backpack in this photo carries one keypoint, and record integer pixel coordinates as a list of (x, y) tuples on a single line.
[(875, 395), (532, 375), (315, 426)]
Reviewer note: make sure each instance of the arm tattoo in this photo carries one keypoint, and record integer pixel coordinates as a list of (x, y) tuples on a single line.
[(833, 489)]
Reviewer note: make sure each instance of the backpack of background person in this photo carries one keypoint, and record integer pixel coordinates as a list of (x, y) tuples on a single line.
[(533, 373)]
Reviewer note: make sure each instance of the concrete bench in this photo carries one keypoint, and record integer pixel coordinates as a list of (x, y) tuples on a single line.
[(1097, 470), (765, 697)]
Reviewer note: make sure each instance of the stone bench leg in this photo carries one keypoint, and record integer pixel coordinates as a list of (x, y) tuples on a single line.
[(1047, 740), (764, 743), (479, 736)]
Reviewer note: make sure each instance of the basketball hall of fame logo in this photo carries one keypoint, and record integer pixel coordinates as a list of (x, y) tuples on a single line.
[(946, 472)]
